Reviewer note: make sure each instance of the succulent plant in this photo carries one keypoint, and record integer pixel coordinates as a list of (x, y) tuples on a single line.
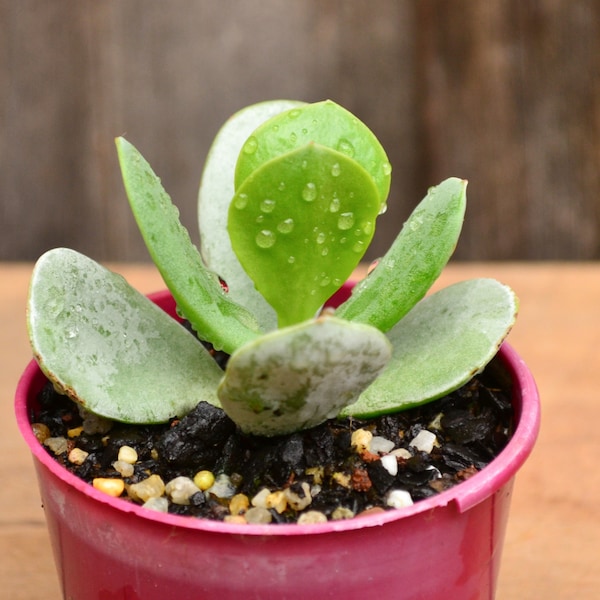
[(288, 203)]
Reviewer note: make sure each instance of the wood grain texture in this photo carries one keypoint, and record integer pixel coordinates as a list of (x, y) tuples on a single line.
[(503, 93)]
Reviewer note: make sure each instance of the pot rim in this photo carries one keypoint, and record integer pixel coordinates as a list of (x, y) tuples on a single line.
[(463, 496)]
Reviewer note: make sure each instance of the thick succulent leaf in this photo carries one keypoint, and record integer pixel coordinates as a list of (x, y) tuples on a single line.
[(299, 231), (110, 348), (298, 377), (446, 339), (197, 291), (414, 261), (214, 197), (325, 123)]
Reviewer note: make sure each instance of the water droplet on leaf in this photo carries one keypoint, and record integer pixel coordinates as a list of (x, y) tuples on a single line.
[(251, 145), (309, 193), (267, 205), (265, 239), (346, 147), (286, 226), (345, 221), (240, 202)]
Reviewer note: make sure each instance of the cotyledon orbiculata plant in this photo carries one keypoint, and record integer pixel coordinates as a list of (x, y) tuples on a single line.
[(287, 207)]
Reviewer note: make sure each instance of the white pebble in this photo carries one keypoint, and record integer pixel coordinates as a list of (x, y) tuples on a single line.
[(260, 499), (77, 456), (381, 445), (58, 445), (424, 441), (390, 464), (311, 517), (401, 453), (151, 487), (181, 489), (222, 487), (398, 499), (258, 515), (127, 454), (125, 469), (157, 504), (299, 501)]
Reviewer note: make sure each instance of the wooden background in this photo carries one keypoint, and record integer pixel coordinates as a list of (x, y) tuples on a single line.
[(505, 93)]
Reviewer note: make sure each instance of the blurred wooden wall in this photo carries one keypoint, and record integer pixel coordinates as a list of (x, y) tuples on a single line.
[(505, 93)]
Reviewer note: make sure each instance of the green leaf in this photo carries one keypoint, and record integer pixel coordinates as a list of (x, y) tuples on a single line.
[(110, 348), (197, 291), (440, 344), (298, 377), (414, 261), (299, 226), (325, 123), (214, 197)]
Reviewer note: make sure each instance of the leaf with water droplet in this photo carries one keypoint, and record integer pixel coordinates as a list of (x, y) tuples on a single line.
[(439, 345), (414, 261), (298, 377), (215, 194), (123, 358), (299, 225), (325, 123), (197, 291)]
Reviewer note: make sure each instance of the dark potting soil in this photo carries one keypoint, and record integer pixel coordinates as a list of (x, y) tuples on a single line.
[(336, 470)]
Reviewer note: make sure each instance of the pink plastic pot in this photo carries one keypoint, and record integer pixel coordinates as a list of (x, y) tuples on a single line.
[(447, 546)]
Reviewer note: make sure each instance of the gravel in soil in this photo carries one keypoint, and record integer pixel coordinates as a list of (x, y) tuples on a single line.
[(202, 466)]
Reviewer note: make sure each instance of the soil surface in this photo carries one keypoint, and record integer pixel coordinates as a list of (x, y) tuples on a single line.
[(202, 466)]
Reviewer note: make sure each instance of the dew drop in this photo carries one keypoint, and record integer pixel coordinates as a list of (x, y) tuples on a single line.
[(325, 281), (345, 221), (291, 260), (358, 247), (309, 193), (286, 226), (260, 218), (387, 168), (240, 201), (346, 147), (321, 237), (265, 239), (367, 227), (335, 170), (71, 333), (267, 205), (325, 251), (251, 145), (281, 186), (334, 205), (294, 113), (293, 137)]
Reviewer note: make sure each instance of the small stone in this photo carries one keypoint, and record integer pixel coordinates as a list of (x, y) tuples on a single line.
[(312, 517), (381, 445), (222, 487), (157, 504), (124, 469), (341, 512), (112, 487), (235, 519), (277, 500), (41, 432), (258, 515), (424, 441), (58, 445), (239, 504), (180, 490), (77, 456), (436, 423), (298, 496), (361, 440), (128, 454), (75, 432), (317, 474), (360, 480), (402, 453), (151, 487), (390, 464), (204, 479), (398, 499), (260, 499), (342, 479)]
